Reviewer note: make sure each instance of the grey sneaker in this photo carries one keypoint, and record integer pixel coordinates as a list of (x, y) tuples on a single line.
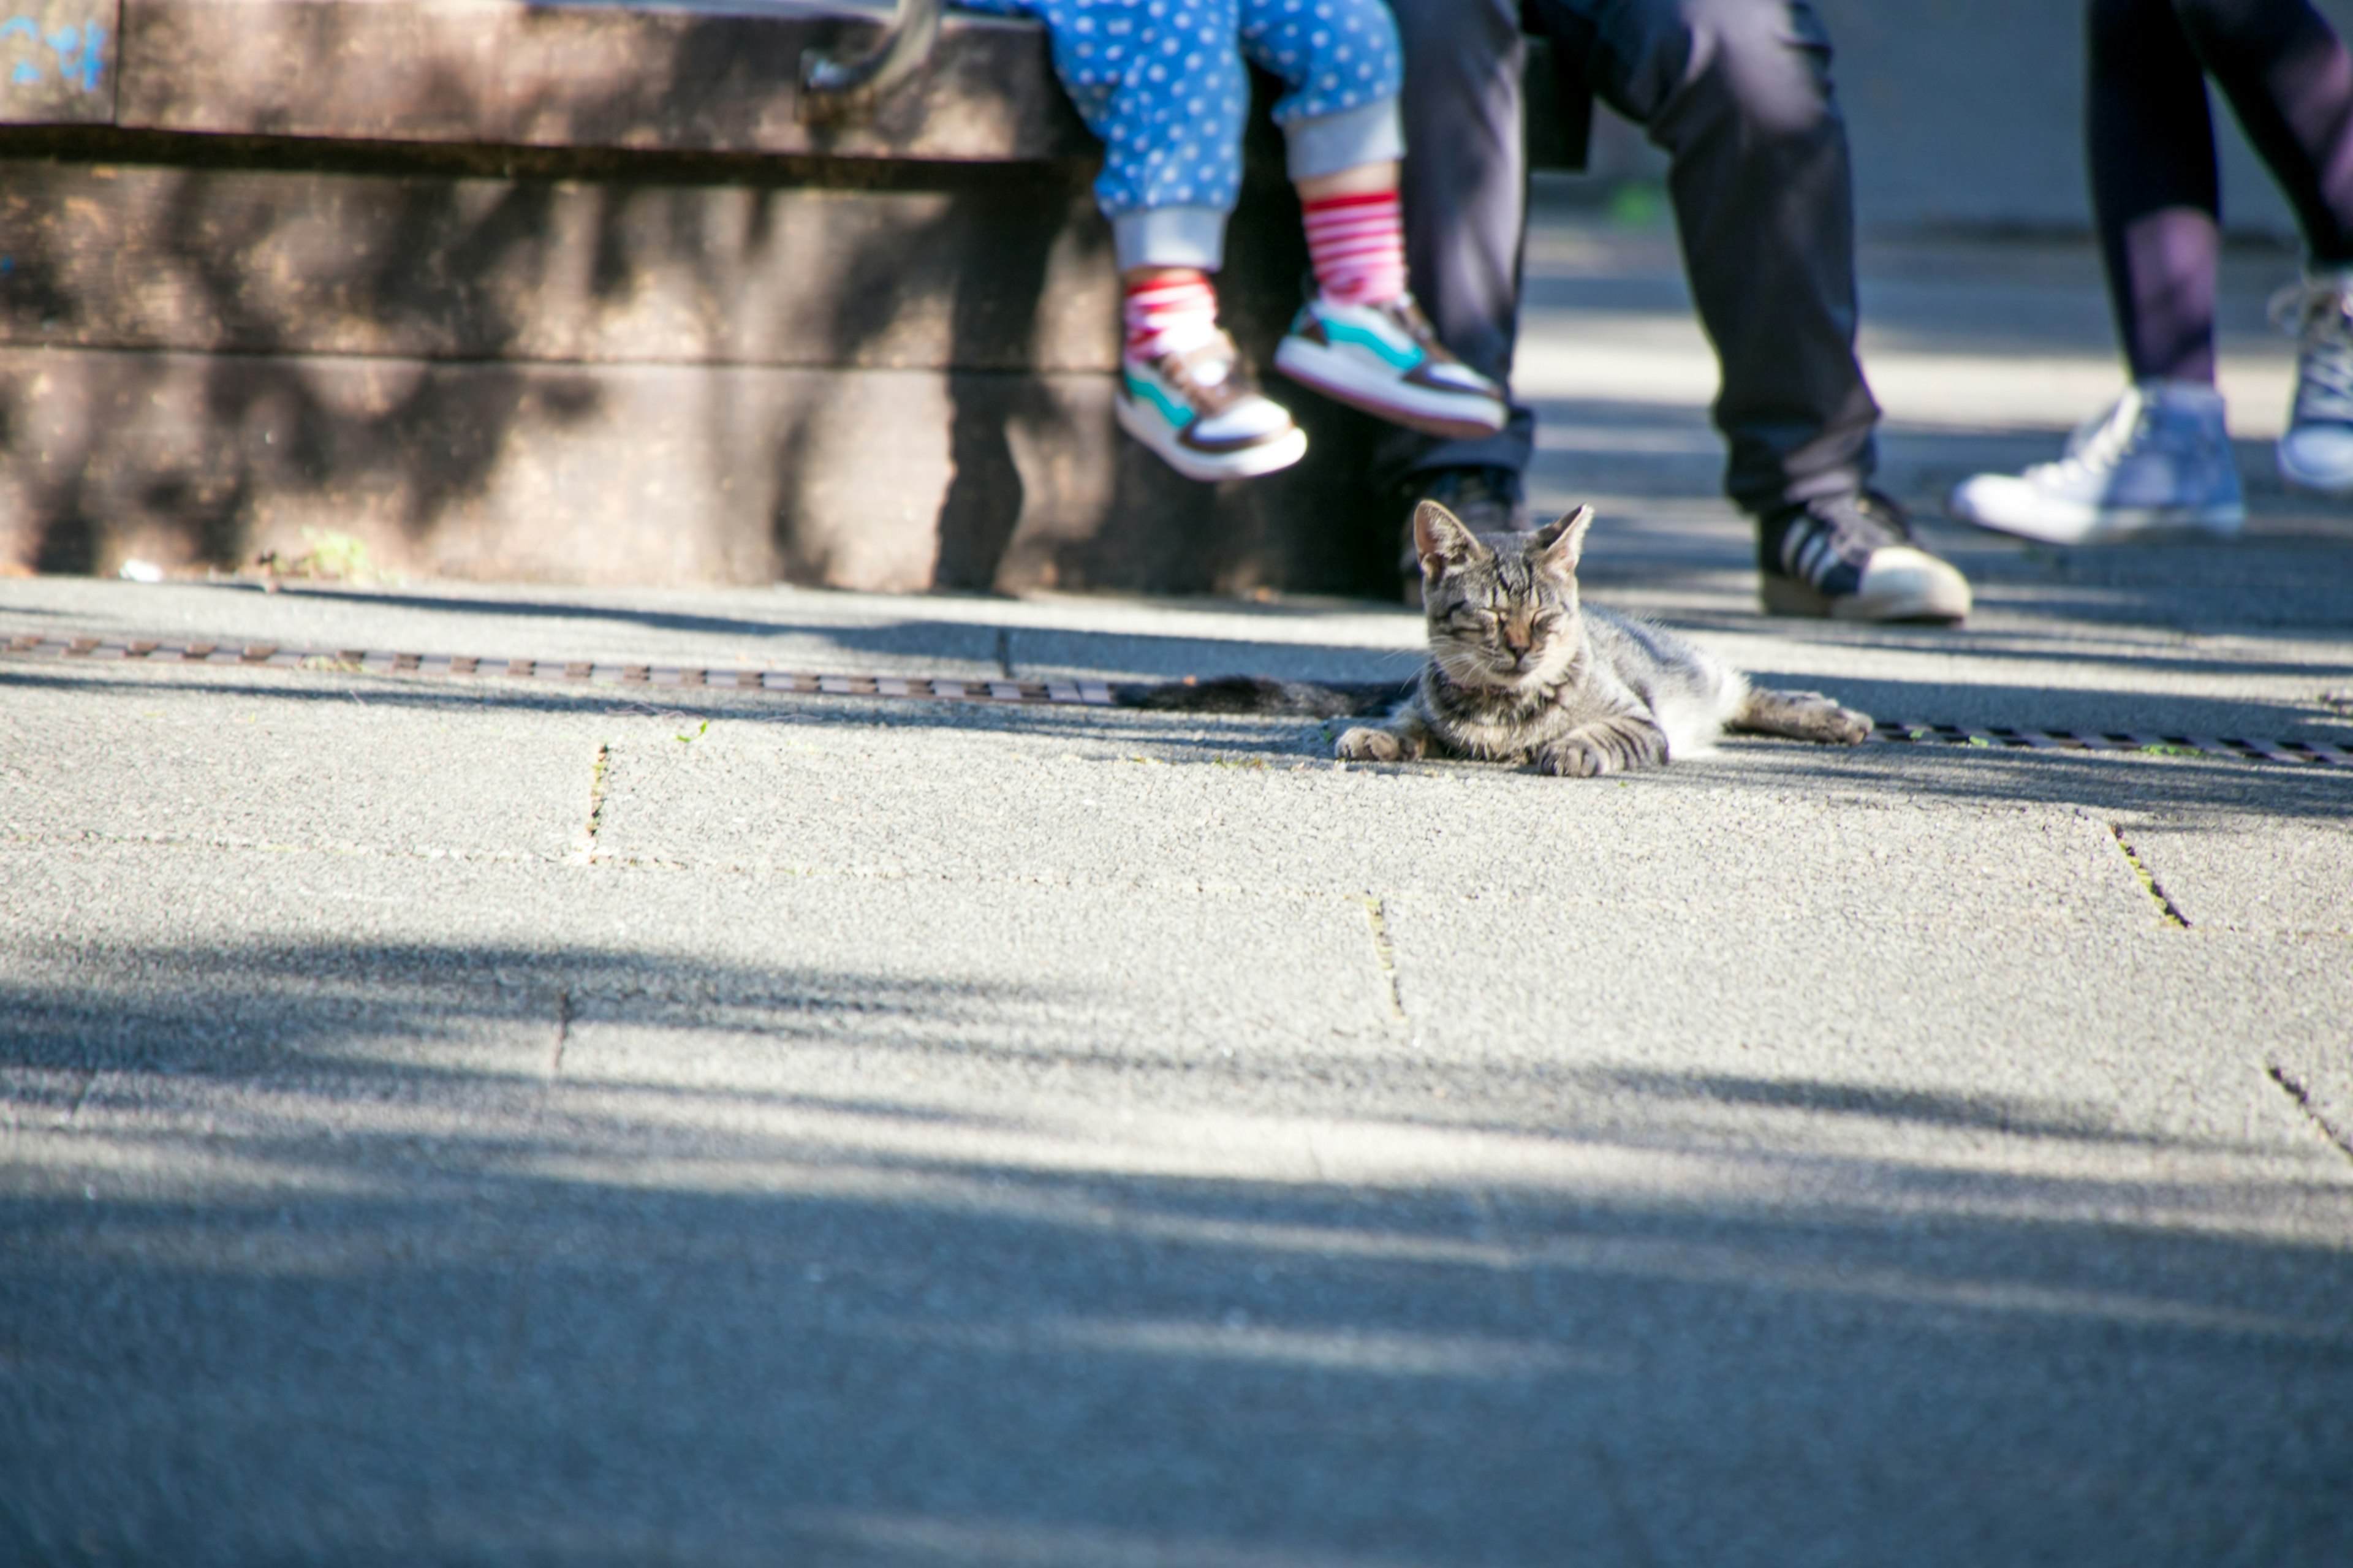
[(2316, 452), (2158, 462), (1851, 558)]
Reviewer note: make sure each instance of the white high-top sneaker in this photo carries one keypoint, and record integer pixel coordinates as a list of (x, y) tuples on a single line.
[(2316, 452), (2158, 461)]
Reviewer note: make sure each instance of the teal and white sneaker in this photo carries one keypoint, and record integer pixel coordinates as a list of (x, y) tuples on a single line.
[(2156, 463), (1204, 415), (2316, 451), (1386, 360)]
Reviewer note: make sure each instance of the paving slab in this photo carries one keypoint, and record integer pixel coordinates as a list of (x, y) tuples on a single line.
[(281, 757), (814, 1176), (2249, 873)]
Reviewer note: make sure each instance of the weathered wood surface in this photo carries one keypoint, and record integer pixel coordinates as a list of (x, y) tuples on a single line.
[(871, 362), (1009, 273), (57, 61), (639, 474), (497, 72)]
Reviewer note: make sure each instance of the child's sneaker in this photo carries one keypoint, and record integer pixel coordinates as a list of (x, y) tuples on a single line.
[(2316, 452), (1384, 359), (1204, 415), (2158, 462)]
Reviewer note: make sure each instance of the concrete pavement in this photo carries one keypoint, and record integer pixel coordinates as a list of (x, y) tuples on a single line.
[(491, 1121)]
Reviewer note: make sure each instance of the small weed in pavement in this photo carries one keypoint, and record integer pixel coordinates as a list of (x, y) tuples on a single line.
[(701, 730)]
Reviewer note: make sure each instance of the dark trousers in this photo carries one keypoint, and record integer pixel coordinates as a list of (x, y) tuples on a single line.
[(2151, 140), (1737, 92)]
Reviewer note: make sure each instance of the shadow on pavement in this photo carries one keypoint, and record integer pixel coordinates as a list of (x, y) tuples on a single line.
[(729, 1289)]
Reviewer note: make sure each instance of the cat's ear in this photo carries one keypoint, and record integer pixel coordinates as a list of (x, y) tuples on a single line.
[(1442, 540), (1563, 542)]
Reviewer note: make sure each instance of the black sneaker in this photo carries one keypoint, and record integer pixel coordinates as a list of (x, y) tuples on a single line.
[(1851, 557), (1487, 499)]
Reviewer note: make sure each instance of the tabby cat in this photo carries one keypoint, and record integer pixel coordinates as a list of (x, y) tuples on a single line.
[(1520, 671)]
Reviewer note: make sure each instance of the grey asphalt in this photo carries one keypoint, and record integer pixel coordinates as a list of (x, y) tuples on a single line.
[(489, 1122)]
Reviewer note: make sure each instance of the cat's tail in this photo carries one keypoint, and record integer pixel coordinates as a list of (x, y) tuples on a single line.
[(1799, 715), (1256, 694)]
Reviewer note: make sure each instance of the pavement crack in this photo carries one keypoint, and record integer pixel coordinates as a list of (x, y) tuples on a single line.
[(2296, 1090), (596, 805), (562, 1035), (2148, 884), (1385, 955)]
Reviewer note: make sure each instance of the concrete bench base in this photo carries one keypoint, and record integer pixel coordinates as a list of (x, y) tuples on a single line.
[(897, 382), (580, 294)]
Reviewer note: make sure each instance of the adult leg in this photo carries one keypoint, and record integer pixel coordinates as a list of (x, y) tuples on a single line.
[(1465, 185), (1737, 93), (2156, 197), (2290, 82), (2159, 460)]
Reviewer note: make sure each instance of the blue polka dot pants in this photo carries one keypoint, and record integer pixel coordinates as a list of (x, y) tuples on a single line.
[(1162, 82)]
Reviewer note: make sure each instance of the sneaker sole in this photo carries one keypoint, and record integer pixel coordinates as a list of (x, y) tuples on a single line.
[(1789, 596), (1454, 416), (2337, 486), (1271, 455), (2112, 525)]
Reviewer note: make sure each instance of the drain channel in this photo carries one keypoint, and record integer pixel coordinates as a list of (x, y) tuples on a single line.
[(1083, 693), (361, 661)]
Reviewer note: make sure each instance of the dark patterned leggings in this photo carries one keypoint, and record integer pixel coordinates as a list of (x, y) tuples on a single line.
[(2154, 185)]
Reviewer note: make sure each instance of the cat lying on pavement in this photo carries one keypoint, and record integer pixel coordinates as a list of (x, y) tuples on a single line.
[(1520, 671)]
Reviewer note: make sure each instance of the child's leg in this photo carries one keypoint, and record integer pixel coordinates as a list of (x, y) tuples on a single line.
[(1361, 340), (1164, 86), (1164, 89)]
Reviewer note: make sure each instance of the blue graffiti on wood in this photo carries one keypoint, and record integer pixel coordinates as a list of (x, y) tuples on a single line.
[(79, 53)]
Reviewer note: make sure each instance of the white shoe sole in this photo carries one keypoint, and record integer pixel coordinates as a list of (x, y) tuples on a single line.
[(1900, 584), (2061, 522), (2338, 485), (1265, 458), (1453, 415)]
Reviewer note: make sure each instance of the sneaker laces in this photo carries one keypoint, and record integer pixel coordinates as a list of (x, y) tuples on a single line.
[(2101, 441), (2320, 315), (1211, 374), (1843, 530)]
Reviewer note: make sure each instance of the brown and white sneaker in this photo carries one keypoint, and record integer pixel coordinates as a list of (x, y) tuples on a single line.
[(1202, 412), (1386, 360)]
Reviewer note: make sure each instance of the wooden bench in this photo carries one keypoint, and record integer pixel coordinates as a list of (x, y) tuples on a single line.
[(600, 294)]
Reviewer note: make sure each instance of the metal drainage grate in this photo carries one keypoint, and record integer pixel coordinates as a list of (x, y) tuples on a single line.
[(1086, 693), (2229, 746), (588, 671)]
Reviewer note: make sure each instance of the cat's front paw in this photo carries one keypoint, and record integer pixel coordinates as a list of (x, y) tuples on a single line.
[(1366, 745), (1575, 760), (1845, 727)]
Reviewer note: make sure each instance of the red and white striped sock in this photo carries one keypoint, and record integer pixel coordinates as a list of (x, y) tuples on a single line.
[(1169, 312), (1356, 244)]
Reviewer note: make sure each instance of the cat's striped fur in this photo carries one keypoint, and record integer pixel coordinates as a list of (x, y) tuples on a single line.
[(1521, 671)]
